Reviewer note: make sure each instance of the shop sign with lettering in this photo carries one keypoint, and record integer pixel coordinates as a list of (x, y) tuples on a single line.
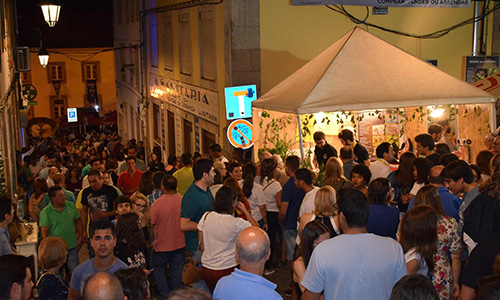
[(198, 101)]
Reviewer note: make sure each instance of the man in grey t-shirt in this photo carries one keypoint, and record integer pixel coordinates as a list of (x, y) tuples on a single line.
[(356, 264)]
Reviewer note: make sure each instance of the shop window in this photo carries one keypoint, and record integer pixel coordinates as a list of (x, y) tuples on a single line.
[(156, 122), (171, 132), (207, 139), (185, 51), (188, 134)]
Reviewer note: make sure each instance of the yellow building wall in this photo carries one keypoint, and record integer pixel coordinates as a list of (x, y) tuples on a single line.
[(75, 87), (195, 51), (292, 35)]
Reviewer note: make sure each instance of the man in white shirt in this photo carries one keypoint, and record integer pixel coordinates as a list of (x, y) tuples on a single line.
[(381, 167), (303, 181)]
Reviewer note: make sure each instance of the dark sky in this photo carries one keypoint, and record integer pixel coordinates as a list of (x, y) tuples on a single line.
[(87, 23)]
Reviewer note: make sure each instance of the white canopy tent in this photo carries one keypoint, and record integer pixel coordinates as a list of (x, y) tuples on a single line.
[(360, 71)]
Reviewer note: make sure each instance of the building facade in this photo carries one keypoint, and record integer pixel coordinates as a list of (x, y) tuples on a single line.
[(194, 49)]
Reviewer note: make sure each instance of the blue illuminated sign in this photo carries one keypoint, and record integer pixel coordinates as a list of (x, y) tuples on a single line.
[(239, 101)]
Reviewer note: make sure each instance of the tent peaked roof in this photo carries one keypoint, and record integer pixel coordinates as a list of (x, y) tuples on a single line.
[(361, 71)]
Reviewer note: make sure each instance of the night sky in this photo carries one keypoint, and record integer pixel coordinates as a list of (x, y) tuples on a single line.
[(87, 23)]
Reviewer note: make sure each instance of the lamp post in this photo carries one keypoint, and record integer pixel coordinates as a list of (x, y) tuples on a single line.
[(51, 10), (43, 56)]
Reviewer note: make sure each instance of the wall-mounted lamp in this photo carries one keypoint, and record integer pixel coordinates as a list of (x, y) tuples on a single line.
[(51, 10), (43, 56)]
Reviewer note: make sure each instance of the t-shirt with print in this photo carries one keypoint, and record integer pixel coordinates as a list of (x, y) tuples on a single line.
[(101, 200)]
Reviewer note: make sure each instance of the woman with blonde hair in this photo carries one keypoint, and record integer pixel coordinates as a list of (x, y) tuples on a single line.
[(52, 254), (140, 206), (334, 175), (325, 211)]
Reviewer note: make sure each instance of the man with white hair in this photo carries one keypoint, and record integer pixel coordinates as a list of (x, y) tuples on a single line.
[(279, 174), (246, 282), (103, 286)]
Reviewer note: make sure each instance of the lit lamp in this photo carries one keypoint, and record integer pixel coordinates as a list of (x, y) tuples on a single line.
[(43, 56), (51, 10)]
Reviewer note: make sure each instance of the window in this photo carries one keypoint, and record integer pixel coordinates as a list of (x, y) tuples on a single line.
[(154, 41), (90, 71), (207, 45), (127, 10), (56, 72), (185, 44), (168, 43), (118, 12), (58, 106)]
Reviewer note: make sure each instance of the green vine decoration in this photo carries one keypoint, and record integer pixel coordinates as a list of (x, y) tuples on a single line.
[(280, 145)]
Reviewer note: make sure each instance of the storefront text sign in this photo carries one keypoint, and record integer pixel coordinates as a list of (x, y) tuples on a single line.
[(200, 102)]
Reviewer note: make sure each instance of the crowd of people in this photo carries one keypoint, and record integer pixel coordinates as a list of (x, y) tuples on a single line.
[(416, 223)]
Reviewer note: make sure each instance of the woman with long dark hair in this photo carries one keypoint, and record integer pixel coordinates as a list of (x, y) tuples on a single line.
[(73, 180), (313, 234), (156, 164), (171, 163), (421, 168), (35, 203), (253, 192), (217, 232), (146, 186), (418, 237), (402, 180), (445, 273), (235, 187), (130, 246)]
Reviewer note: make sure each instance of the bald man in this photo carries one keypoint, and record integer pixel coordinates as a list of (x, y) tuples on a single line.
[(103, 286), (247, 283), (59, 180), (50, 179), (451, 203)]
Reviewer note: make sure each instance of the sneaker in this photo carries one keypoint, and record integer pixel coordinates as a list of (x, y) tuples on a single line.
[(288, 292), (268, 272)]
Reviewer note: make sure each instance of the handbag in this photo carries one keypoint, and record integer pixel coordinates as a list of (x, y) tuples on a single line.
[(192, 271)]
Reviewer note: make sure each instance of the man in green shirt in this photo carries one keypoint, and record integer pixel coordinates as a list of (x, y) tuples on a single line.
[(185, 176), (196, 201), (61, 219)]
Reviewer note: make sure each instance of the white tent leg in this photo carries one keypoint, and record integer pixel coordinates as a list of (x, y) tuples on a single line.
[(300, 138)]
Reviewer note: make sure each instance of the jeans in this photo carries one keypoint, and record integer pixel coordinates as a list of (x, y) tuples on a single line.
[(72, 261), (289, 237), (272, 232), (168, 262)]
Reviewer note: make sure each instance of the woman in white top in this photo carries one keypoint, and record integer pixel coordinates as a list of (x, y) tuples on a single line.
[(217, 232), (272, 193), (254, 194), (418, 237), (325, 211)]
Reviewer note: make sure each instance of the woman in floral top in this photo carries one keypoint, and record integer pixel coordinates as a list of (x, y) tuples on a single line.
[(445, 275), (131, 246)]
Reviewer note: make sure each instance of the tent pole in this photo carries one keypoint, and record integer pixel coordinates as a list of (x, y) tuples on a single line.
[(300, 138)]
